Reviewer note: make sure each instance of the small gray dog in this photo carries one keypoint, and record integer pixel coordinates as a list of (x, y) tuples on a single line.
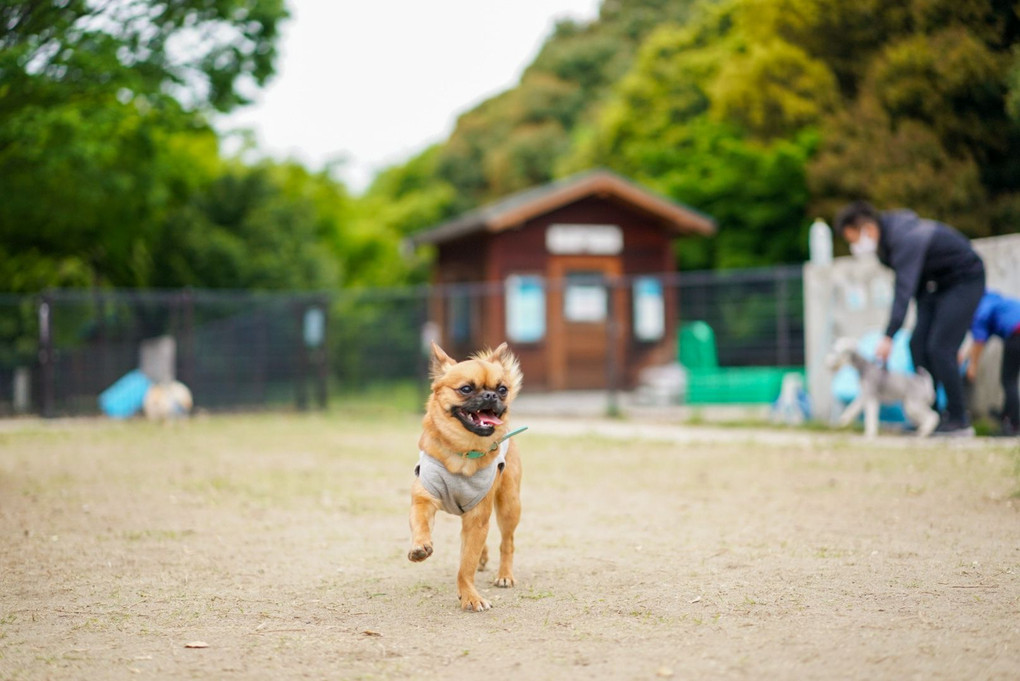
[(881, 386)]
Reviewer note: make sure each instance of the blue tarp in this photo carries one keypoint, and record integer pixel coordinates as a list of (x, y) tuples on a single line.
[(125, 397)]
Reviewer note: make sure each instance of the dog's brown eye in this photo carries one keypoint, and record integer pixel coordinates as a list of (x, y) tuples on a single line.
[(466, 389), (501, 390)]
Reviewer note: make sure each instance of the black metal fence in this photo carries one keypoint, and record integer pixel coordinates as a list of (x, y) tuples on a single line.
[(239, 350), (757, 314), (61, 349)]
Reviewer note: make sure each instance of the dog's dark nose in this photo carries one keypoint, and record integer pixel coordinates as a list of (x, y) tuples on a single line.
[(488, 396)]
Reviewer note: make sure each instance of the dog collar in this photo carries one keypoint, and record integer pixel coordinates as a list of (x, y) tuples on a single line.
[(475, 454)]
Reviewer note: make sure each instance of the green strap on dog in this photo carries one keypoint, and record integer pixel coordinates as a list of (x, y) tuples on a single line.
[(475, 454)]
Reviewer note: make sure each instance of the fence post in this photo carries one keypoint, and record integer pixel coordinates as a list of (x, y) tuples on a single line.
[(782, 321), (322, 357), (818, 331), (614, 288), (46, 355), (186, 347), (300, 383)]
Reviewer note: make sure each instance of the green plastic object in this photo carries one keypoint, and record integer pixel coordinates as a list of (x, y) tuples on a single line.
[(708, 383), (697, 346), (737, 385)]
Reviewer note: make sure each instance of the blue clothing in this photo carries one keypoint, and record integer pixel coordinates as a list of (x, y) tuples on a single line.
[(996, 315)]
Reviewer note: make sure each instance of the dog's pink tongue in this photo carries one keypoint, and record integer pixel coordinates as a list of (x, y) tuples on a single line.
[(489, 420)]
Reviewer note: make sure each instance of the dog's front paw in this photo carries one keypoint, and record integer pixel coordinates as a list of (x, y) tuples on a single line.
[(419, 553), (505, 582), (474, 603)]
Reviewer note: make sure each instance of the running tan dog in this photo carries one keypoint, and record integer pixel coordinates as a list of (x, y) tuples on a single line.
[(467, 463)]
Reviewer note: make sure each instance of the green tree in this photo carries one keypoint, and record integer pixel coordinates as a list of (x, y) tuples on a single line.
[(402, 200), (765, 113), (720, 114), (97, 103), (517, 139), (272, 226), (88, 185), (201, 53), (864, 155), (773, 88), (929, 123)]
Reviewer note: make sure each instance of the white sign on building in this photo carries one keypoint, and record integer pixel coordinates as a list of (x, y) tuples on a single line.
[(584, 239)]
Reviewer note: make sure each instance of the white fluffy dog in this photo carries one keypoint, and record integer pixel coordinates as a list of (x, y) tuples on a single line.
[(881, 386), (167, 401)]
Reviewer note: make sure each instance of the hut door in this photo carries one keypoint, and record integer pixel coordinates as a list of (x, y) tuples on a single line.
[(580, 343)]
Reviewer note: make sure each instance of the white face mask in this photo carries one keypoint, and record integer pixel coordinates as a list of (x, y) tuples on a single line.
[(865, 245)]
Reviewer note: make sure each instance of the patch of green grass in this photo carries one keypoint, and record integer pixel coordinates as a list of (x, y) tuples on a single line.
[(984, 427), (158, 535), (533, 595), (829, 552), (697, 418), (380, 400), (1015, 454)]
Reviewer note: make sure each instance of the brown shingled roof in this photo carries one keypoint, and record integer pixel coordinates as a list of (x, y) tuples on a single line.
[(518, 208)]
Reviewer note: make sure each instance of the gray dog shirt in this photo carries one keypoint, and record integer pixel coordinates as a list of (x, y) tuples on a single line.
[(459, 493)]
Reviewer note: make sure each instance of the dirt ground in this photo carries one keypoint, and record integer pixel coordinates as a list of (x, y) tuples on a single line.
[(276, 544)]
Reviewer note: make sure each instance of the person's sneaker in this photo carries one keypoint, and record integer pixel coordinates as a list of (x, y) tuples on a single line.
[(950, 428), (1007, 429)]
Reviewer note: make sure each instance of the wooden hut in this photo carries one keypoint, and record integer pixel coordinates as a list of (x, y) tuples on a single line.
[(574, 274)]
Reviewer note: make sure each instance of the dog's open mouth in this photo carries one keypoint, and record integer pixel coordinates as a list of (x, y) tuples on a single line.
[(481, 422)]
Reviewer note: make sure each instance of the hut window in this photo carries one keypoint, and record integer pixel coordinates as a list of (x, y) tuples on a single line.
[(525, 308), (585, 298), (649, 309)]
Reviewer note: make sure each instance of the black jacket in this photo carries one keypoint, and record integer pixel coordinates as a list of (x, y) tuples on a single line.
[(922, 253)]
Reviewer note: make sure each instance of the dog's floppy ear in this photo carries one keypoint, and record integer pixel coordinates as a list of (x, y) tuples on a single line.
[(511, 366), (440, 362)]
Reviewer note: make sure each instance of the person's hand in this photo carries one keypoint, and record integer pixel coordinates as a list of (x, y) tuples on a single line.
[(883, 349), (971, 372)]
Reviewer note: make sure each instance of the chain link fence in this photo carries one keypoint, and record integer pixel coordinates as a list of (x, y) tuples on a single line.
[(60, 350), (234, 350)]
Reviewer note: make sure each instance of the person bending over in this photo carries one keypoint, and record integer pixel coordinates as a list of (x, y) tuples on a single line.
[(935, 265)]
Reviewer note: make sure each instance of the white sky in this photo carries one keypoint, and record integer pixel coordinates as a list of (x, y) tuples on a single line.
[(377, 81)]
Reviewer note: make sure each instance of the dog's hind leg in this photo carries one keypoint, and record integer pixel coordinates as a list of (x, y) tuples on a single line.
[(871, 408), (851, 412), (928, 424), (924, 418), (508, 515)]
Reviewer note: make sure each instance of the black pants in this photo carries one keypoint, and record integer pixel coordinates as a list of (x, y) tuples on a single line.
[(1010, 378), (943, 319)]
